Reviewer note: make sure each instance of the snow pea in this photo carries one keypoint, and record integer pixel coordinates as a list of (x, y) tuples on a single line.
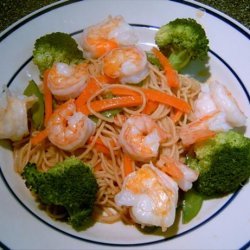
[(37, 110), (191, 205)]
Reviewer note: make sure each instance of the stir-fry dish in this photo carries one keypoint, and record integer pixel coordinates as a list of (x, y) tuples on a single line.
[(115, 133)]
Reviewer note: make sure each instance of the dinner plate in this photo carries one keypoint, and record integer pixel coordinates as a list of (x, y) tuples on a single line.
[(221, 224)]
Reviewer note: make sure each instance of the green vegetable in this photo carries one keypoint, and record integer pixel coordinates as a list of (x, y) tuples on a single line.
[(55, 47), (191, 205), (153, 60), (69, 184), (182, 40), (37, 110), (223, 163)]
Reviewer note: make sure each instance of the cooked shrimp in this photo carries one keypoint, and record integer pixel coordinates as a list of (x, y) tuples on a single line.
[(129, 64), (226, 103), (13, 115), (68, 129), (67, 81), (151, 195), (215, 110), (216, 97), (140, 137), (203, 128), (181, 173), (111, 33)]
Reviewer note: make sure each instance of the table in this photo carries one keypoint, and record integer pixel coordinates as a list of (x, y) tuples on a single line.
[(13, 10)]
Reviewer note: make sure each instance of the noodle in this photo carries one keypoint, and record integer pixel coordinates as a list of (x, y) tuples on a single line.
[(107, 168)]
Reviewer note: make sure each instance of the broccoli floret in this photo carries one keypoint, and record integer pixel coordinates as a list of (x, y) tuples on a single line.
[(223, 163), (55, 47), (69, 184), (182, 40)]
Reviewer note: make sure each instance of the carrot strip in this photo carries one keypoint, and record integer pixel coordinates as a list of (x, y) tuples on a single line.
[(98, 167), (171, 169), (127, 165), (155, 96), (39, 137), (164, 98), (99, 146), (119, 91), (170, 73), (103, 149), (176, 116), (47, 98), (106, 79), (112, 103), (150, 107), (91, 88)]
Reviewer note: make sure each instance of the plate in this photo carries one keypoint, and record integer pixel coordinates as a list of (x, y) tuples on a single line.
[(222, 223)]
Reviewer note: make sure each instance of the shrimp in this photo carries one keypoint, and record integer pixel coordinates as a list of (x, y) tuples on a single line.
[(181, 173), (140, 137), (226, 103), (216, 97), (67, 81), (111, 33), (13, 115), (215, 110), (129, 64), (68, 129), (151, 195)]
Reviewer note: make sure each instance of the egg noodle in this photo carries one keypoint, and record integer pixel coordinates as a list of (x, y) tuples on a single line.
[(108, 166)]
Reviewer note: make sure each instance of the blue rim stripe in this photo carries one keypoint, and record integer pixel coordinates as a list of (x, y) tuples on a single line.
[(194, 5), (197, 6)]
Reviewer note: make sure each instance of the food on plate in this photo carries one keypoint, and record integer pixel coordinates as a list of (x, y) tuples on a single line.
[(182, 40), (14, 115), (69, 187), (133, 120), (111, 33), (55, 47), (223, 163), (151, 196)]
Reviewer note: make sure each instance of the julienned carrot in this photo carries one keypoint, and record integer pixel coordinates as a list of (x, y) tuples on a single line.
[(127, 165), (91, 88), (103, 149), (112, 103), (170, 72), (106, 79), (47, 98), (98, 167), (120, 91), (176, 116), (99, 146), (164, 98), (171, 169), (156, 96), (150, 107), (39, 137)]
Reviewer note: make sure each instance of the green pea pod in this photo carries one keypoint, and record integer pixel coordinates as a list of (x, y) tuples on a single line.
[(191, 205), (37, 110), (111, 113), (107, 113), (153, 60)]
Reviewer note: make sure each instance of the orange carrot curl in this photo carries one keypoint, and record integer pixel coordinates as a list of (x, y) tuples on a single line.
[(170, 73)]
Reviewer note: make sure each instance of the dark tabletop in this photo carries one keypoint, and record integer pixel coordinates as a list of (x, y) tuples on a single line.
[(13, 10)]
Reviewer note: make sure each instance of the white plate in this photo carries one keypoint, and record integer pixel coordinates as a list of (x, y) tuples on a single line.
[(222, 223)]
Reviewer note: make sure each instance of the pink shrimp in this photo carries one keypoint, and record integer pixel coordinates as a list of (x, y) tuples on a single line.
[(99, 39), (67, 81), (181, 173), (140, 137), (68, 129), (128, 64)]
